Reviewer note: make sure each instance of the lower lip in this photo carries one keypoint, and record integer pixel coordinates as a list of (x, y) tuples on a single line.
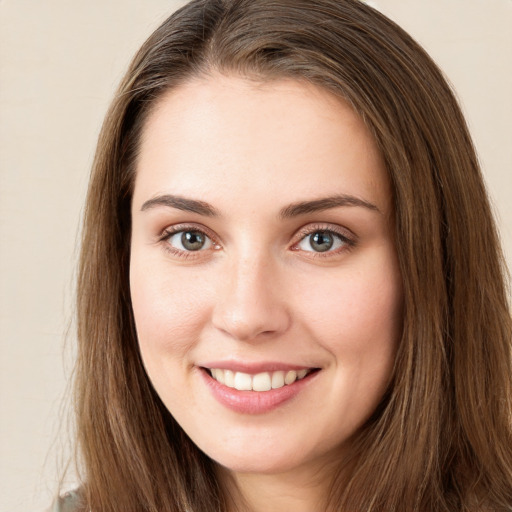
[(255, 402)]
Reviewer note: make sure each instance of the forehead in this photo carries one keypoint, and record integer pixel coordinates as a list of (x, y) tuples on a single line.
[(225, 138)]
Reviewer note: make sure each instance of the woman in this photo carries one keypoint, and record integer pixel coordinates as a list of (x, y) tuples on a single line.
[(291, 293)]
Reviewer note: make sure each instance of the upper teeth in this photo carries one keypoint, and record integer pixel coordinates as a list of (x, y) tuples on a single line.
[(260, 382)]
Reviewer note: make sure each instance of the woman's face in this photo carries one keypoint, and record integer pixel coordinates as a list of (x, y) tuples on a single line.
[(264, 277)]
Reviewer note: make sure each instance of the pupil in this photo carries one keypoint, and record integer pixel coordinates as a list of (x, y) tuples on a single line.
[(321, 241), (192, 240)]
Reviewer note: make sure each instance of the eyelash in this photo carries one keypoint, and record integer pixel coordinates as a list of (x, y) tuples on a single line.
[(181, 228), (348, 242)]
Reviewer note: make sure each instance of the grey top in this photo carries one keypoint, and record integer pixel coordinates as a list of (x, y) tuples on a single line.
[(67, 503)]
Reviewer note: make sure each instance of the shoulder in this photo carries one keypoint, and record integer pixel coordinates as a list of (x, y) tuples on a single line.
[(69, 502)]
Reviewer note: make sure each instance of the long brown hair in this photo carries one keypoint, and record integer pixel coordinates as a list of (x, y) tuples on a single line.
[(441, 438)]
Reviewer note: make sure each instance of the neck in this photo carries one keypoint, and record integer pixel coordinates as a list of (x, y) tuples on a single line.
[(300, 490)]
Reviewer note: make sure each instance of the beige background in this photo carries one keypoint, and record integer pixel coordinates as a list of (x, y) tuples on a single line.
[(59, 63)]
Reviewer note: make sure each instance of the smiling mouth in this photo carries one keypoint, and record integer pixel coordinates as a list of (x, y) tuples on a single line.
[(264, 381)]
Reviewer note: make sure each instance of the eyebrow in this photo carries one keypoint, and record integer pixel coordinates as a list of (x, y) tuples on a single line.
[(326, 203), (181, 203), (290, 211)]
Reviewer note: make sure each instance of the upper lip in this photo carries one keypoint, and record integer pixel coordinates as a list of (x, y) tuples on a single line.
[(253, 368)]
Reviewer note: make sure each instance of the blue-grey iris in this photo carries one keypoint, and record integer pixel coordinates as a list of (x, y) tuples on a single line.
[(321, 241), (192, 240)]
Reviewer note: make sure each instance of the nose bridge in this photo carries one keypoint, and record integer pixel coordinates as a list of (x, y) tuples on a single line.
[(250, 303)]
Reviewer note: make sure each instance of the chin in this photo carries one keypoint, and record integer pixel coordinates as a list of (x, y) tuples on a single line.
[(262, 464), (259, 456)]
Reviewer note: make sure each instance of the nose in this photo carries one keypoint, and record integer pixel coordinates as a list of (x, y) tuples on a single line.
[(250, 304)]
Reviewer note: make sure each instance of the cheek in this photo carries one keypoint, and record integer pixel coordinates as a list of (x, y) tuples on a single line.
[(168, 317), (355, 305), (168, 312), (357, 317), (361, 330)]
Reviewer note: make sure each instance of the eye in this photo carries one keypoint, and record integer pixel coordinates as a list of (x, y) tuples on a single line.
[(190, 240), (323, 241)]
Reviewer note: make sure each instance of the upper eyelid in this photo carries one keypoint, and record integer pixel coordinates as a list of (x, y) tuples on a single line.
[(343, 232), (178, 228), (302, 231)]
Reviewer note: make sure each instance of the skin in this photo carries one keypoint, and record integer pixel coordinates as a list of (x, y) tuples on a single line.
[(259, 291)]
